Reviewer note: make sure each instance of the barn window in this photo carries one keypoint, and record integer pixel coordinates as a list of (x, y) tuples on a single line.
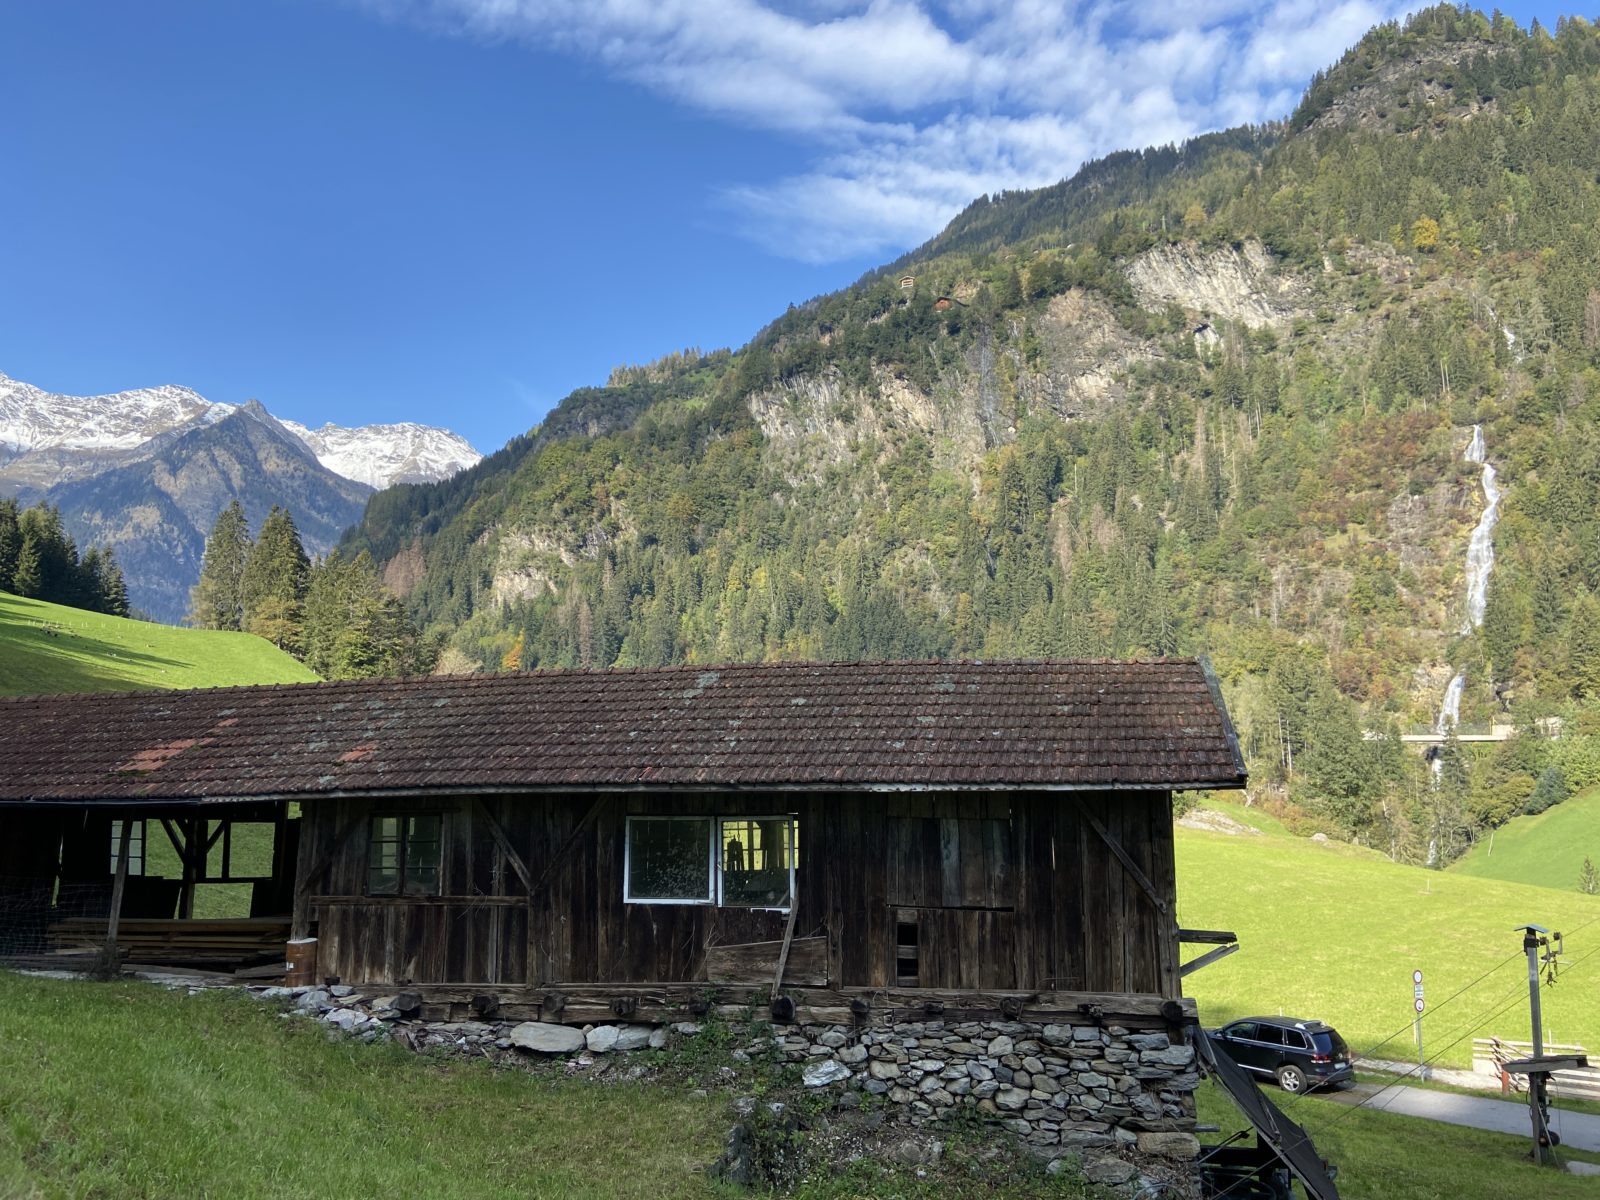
[(135, 846), (737, 862), (668, 860), (403, 855), (756, 861)]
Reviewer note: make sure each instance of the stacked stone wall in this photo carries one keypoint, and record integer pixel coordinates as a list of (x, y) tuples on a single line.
[(1120, 1099)]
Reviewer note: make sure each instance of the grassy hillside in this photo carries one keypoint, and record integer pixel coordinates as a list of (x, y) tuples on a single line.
[(152, 1093), (48, 648), (1547, 850), (1333, 932)]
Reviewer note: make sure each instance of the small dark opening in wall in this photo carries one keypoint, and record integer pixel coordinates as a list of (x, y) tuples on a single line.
[(907, 969)]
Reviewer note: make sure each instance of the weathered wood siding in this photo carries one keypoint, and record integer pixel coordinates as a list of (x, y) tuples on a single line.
[(1004, 891)]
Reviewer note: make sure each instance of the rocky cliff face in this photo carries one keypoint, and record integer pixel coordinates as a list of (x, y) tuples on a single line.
[(1227, 284)]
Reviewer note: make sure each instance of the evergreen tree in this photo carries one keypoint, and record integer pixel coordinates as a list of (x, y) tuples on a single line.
[(1583, 648), (273, 584), (110, 585), (1589, 878), (353, 627), (217, 600), (28, 578), (10, 543)]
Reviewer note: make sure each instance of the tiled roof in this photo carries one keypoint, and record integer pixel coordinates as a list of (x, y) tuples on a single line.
[(1086, 724)]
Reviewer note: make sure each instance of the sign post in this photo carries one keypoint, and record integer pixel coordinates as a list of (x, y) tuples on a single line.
[(1416, 1022)]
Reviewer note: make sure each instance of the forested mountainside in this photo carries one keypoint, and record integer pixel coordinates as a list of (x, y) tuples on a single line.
[(1209, 399)]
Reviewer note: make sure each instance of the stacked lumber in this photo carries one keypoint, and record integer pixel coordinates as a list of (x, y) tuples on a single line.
[(208, 942)]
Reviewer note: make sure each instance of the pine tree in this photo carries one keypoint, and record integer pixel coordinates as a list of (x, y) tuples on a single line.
[(28, 579), (217, 600), (1589, 878), (112, 588), (10, 543), (273, 583)]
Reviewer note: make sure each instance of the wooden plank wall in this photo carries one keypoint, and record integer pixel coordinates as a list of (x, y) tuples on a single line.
[(1009, 890)]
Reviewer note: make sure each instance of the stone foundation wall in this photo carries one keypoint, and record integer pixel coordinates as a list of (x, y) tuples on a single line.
[(1121, 1099)]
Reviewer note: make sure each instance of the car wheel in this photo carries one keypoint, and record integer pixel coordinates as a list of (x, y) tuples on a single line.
[(1291, 1079)]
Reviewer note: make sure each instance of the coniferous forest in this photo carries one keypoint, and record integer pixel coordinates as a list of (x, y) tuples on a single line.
[(39, 560), (1205, 399)]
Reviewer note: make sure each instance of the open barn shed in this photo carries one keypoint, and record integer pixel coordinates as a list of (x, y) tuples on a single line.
[(992, 827)]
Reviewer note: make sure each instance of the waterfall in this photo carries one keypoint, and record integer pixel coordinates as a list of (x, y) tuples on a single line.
[(1480, 551), (1480, 562), (1450, 710)]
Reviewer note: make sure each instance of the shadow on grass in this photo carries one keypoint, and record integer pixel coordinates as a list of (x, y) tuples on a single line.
[(36, 659)]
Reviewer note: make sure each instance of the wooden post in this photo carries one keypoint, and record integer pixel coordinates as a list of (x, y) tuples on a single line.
[(117, 888), (186, 894)]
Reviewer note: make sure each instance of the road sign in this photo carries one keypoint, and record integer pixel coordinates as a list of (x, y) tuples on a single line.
[(1419, 1003), (1416, 978)]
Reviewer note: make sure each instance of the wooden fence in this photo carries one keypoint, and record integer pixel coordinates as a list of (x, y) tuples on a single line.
[(1490, 1055)]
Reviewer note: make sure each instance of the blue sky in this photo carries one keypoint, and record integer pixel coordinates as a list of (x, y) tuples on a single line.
[(457, 211)]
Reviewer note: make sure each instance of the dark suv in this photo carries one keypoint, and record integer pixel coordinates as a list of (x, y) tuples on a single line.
[(1298, 1054)]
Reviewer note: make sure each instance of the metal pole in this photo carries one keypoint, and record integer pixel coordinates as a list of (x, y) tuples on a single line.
[(1536, 1081)]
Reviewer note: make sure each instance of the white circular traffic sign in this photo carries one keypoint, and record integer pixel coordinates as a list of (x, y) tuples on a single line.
[(1416, 977), (1419, 1004)]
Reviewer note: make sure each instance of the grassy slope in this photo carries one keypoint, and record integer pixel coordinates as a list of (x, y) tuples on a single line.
[(130, 1091), (1334, 932), (48, 648), (125, 1090), (1547, 850)]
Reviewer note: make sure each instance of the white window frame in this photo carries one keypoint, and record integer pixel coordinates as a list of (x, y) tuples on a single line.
[(710, 824), (794, 854), (714, 866)]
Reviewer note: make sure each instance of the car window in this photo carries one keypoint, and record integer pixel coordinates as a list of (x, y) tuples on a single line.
[(1270, 1035), (1243, 1029), (1327, 1042), (1294, 1039)]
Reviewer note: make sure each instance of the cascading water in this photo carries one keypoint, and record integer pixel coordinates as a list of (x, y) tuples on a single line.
[(1480, 551), (1480, 562)]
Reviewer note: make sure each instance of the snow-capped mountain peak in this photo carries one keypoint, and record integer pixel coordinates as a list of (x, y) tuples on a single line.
[(32, 419), (381, 455)]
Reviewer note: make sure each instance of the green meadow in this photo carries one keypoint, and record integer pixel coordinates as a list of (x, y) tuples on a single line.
[(1547, 849), (47, 648), (1333, 932)]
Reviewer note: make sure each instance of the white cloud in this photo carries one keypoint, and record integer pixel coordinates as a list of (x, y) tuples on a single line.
[(912, 109)]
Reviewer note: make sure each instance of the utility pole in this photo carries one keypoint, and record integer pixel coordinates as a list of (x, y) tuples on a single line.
[(1541, 947), (1538, 1101)]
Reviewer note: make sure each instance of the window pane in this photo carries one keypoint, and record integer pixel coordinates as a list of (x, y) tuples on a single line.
[(1270, 1034), (383, 857), (667, 859), (756, 856)]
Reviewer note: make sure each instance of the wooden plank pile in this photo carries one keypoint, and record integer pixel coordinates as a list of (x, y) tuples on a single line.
[(199, 943)]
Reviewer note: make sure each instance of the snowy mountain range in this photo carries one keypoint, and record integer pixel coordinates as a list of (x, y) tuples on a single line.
[(72, 434), (146, 472)]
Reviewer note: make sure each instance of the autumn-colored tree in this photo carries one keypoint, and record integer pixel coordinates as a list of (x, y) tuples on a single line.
[(1194, 217), (1425, 234)]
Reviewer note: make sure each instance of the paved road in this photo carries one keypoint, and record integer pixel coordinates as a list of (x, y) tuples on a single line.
[(1581, 1131)]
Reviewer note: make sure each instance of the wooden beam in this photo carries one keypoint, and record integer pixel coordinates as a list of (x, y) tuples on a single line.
[(117, 888), (788, 940), (566, 847), (1206, 959), (506, 848), (1207, 937), (1123, 857)]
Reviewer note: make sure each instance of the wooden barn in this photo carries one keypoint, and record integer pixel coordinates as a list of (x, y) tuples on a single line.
[(833, 831)]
